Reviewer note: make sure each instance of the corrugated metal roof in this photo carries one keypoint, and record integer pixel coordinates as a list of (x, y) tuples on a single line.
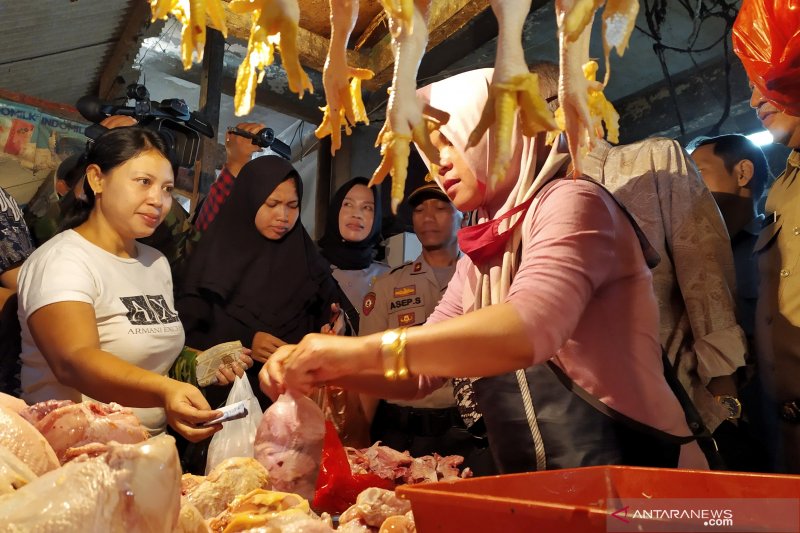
[(56, 49)]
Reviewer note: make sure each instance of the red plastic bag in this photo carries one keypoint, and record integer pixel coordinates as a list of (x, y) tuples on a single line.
[(766, 37), (337, 486)]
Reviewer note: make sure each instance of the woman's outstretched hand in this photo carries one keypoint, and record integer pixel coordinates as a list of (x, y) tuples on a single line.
[(317, 359), (187, 409)]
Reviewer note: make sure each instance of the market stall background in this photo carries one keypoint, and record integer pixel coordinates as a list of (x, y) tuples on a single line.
[(678, 78)]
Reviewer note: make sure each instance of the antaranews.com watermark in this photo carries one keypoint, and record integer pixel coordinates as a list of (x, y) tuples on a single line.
[(643, 515)]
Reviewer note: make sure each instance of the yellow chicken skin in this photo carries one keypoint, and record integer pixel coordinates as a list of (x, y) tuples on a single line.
[(584, 108), (274, 22), (402, 13), (512, 88), (344, 105), (404, 112), (192, 15)]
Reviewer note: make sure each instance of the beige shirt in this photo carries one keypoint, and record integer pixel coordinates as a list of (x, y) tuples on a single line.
[(695, 280), (778, 310), (406, 296)]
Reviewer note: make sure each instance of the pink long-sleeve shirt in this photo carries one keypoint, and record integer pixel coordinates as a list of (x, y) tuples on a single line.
[(584, 292)]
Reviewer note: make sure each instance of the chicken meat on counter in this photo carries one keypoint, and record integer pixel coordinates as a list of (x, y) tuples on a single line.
[(131, 488)]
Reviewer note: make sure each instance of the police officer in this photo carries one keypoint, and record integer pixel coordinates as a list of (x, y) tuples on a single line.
[(406, 296)]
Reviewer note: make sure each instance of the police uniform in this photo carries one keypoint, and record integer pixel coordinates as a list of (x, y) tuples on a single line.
[(405, 297), (778, 309)]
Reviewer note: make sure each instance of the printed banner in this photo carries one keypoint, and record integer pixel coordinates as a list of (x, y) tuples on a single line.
[(32, 144)]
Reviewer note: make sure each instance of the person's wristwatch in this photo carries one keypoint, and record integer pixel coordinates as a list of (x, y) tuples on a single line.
[(732, 404)]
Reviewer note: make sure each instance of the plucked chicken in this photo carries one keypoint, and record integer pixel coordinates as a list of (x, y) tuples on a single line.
[(275, 22), (373, 506), (583, 105), (14, 474), (232, 477), (513, 87), (344, 105), (131, 488), (405, 120), (22, 439), (260, 508), (76, 428), (192, 15)]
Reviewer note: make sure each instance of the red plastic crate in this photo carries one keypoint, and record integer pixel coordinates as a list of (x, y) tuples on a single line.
[(578, 499)]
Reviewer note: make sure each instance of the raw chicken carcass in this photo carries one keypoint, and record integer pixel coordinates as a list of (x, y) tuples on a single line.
[(344, 105), (513, 87), (289, 443), (232, 477), (24, 441), (12, 402), (190, 520), (373, 506), (583, 105), (14, 474), (192, 15), (399, 524), (76, 428), (132, 488), (274, 22), (404, 113), (257, 509)]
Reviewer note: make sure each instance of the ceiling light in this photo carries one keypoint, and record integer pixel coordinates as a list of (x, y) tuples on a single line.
[(761, 138)]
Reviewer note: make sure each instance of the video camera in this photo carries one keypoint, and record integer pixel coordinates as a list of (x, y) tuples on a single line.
[(266, 139), (179, 127)]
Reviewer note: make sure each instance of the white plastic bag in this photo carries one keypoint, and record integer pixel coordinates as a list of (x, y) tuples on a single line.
[(237, 436)]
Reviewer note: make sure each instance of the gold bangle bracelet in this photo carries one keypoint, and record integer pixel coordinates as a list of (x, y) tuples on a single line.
[(393, 354)]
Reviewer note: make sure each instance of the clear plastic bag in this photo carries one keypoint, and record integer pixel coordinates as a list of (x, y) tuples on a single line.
[(289, 443), (766, 37), (237, 437)]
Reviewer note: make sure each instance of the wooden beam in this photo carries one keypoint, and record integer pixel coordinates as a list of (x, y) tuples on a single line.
[(60, 110), (446, 18), (210, 95), (124, 52)]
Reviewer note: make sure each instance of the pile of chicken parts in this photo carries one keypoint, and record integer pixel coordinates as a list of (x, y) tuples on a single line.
[(88, 466), (514, 93)]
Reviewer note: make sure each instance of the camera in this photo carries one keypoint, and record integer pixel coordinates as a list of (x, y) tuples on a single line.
[(266, 139), (178, 126)]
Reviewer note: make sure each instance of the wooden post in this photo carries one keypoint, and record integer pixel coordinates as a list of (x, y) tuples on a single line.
[(210, 94)]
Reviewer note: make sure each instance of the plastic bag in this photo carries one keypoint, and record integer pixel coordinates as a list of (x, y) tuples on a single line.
[(337, 486), (289, 443), (343, 409), (237, 437), (766, 37)]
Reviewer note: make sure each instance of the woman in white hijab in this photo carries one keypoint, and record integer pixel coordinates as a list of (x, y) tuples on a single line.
[(552, 305)]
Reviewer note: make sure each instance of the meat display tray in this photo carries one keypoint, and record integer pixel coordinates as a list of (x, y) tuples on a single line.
[(584, 500)]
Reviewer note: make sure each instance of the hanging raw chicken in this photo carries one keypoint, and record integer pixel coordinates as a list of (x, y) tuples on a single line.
[(513, 87), (345, 107), (583, 105), (404, 113), (192, 15), (274, 22)]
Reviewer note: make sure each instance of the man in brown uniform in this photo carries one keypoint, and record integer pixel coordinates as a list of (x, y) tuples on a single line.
[(406, 296), (778, 309)]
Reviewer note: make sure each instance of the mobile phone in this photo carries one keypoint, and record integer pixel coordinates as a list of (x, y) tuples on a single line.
[(234, 411)]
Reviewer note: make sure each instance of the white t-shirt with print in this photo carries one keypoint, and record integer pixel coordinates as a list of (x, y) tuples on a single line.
[(133, 304)]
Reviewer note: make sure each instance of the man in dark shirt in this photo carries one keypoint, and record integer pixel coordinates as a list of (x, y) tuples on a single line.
[(737, 174)]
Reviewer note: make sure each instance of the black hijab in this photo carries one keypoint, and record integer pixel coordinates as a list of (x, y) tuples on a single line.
[(344, 254), (277, 286)]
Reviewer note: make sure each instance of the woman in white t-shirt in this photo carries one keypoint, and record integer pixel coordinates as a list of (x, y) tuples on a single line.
[(96, 306)]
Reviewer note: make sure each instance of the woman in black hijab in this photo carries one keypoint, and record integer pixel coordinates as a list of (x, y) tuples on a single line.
[(256, 275), (352, 233)]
